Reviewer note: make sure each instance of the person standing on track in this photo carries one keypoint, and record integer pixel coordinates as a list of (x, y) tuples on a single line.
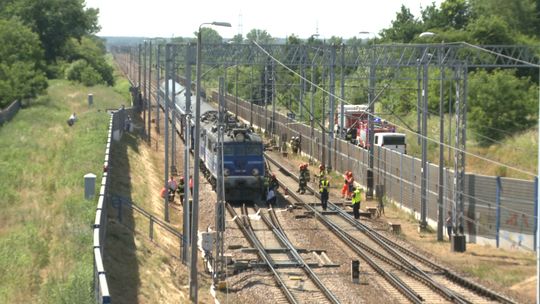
[(345, 187), (273, 183), (449, 225), (172, 185), (355, 201), (350, 185), (303, 179), (322, 172), (271, 197), (180, 190), (323, 191)]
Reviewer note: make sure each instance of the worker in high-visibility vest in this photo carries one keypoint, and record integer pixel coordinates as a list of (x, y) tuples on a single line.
[(323, 191), (355, 201)]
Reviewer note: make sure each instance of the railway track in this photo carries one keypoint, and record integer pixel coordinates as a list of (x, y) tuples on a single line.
[(417, 279), (294, 276)]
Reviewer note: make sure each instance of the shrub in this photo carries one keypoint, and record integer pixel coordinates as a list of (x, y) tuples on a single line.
[(81, 71)]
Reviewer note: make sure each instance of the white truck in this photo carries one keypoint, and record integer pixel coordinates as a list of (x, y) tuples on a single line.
[(392, 141)]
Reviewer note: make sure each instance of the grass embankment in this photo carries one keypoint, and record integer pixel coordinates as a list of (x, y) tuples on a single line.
[(518, 151), (45, 223)]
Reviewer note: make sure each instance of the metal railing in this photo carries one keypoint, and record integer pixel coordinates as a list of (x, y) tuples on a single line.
[(8, 113), (155, 226), (101, 287)]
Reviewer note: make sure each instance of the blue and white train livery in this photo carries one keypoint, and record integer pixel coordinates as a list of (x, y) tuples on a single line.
[(243, 159)]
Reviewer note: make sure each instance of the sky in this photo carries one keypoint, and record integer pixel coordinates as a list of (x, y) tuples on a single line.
[(280, 18)]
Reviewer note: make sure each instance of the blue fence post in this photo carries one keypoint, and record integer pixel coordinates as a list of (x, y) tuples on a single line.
[(498, 200), (535, 212)]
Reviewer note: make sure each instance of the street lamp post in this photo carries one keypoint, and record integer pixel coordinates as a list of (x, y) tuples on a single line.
[(196, 160)]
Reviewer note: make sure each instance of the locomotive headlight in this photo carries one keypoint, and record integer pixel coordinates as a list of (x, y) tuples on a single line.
[(226, 172), (255, 171)]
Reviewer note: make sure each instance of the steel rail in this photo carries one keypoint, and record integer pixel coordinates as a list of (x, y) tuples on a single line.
[(385, 242), (273, 224), (248, 233), (408, 267)]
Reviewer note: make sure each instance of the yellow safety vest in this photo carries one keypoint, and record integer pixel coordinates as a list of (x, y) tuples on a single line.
[(324, 186), (356, 197)]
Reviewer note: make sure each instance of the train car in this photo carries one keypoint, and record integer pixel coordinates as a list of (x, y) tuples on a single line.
[(243, 158)]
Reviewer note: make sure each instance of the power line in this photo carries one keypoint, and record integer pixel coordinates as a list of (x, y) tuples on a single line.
[(397, 125)]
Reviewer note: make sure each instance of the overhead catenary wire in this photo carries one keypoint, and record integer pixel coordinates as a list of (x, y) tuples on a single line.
[(397, 125), (391, 167)]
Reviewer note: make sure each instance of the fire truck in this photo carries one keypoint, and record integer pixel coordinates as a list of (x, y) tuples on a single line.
[(353, 114), (379, 126)]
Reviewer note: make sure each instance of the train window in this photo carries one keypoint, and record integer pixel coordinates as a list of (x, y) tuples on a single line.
[(240, 150), (228, 150), (253, 150)]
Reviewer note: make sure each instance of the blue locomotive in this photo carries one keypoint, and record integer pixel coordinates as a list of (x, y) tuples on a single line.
[(243, 159)]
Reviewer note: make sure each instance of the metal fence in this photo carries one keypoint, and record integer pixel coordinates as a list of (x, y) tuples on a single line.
[(101, 288), (155, 228), (497, 210), (8, 113)]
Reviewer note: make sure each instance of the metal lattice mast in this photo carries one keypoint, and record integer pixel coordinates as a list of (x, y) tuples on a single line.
[(189, 61), (149, 95), (143, 88), (219, 263), (331, 104), (460, 140), (173, 109), (158, 80), (167, 102)]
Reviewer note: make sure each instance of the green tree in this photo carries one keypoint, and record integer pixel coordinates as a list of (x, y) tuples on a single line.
[(84, 73), (453, 14), (518, 14), (21, 74), (238, 39), (92, 50), (293, 40), (210, 36), (55, 21), (335, 40), (259, 36), (404, 28), (500, 102), (491, 30), (178, 40)]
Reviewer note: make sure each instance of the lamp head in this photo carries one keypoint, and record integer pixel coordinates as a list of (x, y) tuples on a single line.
[(225, 24), (426, 34)]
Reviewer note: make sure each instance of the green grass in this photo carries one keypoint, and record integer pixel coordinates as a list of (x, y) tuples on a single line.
[(519, 151), (45, 224), (505, 277)]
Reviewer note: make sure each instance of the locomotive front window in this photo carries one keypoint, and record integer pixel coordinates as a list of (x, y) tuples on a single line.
[(228, 150), (253, 150)]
